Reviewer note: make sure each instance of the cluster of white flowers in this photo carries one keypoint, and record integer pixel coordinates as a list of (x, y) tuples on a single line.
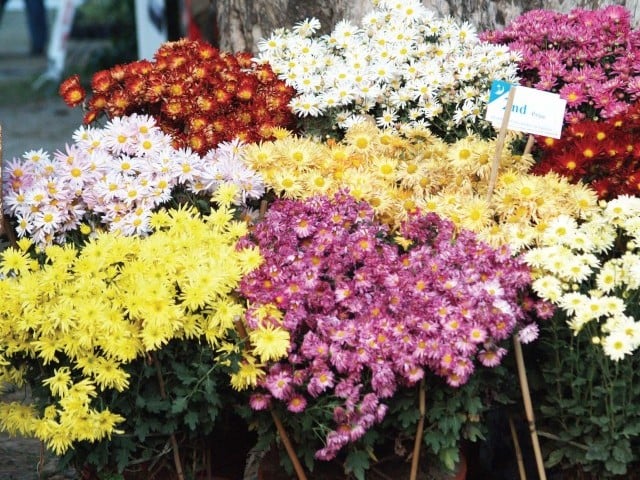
[(401, 66), (115, 176), (592, 272)]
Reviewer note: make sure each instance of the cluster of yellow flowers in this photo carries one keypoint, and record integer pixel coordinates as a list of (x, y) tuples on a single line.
[(84, 313), (399, 172)]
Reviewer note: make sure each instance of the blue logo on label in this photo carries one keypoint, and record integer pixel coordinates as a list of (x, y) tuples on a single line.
[(498, 89)]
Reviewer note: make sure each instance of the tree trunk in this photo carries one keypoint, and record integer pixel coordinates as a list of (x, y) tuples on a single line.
[(242, 23)]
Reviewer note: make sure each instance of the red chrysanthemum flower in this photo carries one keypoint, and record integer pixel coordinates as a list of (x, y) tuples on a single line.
[(192, 88), (72, 91), (102, 81), (118, 73), (97, 103), (90, 117)]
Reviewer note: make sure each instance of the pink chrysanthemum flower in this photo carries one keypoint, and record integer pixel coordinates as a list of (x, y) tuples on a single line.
[(367, 317)]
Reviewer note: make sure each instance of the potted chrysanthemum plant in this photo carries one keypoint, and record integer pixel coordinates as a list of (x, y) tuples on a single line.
[(372, 315)]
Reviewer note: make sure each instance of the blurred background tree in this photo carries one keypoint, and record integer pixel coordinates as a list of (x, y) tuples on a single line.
[(242, 23)]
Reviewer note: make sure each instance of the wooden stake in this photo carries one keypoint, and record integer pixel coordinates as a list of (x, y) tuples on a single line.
[(516, 445), (500, 143), (529, 145), (522, 374), (297, 466), (526, 396), (415, 460)]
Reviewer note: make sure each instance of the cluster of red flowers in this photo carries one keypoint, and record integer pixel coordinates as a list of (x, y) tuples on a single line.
[(197, 94), (604, 154)]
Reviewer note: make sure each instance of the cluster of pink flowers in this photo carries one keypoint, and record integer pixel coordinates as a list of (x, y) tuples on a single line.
[(590, 57), (114, 177), (367, 316)]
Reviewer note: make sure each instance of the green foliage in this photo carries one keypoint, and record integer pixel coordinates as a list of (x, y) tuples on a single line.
[(453, 415), (196, 396), (589, 404), (357, 463)]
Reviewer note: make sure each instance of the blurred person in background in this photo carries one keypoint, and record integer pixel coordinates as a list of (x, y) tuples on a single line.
[(37, 23), (202, 21)]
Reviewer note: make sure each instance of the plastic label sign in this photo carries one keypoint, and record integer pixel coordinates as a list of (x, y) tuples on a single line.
[(533, 111)]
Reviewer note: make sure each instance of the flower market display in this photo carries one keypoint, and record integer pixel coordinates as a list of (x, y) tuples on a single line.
[(305, 244)]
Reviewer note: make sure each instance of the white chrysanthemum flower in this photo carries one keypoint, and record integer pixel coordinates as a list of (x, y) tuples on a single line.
[(387, 118), (594, 308), (529, 333), (337, 96), (577, 269), (608, 277), (36, 156), (466, 32), (548, 288), (614, 306), (48, 219), (344, 34), (351, 120), (572, 302), (621, 208), (307, 27), (309, 83), (632, 226), (632, 272), (617, 345), (407, 56), (602, 234), (556, 260), (306, 105), (406, 10), (629, 264), (275, 43), (152, 143)]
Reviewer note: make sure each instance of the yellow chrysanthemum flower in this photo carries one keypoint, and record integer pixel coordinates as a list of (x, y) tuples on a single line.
[(60, 383), (269, 343), (248, 374), (14, 260)]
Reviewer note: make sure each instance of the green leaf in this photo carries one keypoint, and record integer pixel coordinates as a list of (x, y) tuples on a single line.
[(631, 430), (473, 433), (597, 452), (408, 417), (622, 451), (450, 457), (554, 458), (123, 453), (179, 405), (156, 405), (357, 463), (616, 467), (191, 420)]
